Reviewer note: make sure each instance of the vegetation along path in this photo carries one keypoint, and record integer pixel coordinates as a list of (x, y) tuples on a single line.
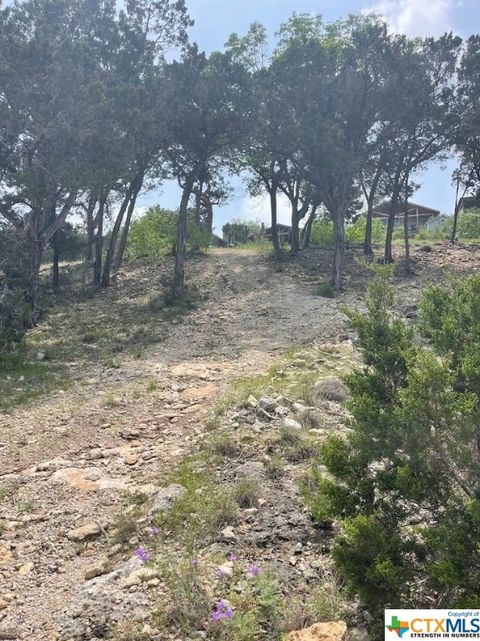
[(68, 460)]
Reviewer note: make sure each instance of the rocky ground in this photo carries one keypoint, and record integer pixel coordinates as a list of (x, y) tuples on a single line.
[(83, 470)]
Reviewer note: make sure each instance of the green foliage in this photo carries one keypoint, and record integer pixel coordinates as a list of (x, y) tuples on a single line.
[(239, 232), (322, 233), (189, 604), (153, 235), (404, 482), (355, 232), (468, 225)]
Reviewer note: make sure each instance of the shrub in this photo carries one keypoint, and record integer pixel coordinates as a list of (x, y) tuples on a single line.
[(332, 389), (468, 225), (355, 232), (404, 483), (325, 290), (153, 235), (239, 232), (322, 233)]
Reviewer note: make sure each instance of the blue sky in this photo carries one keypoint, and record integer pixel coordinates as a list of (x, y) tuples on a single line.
[(216, 19)]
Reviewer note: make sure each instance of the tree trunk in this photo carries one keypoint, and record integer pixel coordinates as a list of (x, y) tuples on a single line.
[(407, 241), (453, 236), (123, 241), (367, 245), (90, 228), (55, 270), (181, 244), (388, 256), (97, 266), (277, 251), (339, 254), (295, 230), (307, 230), (107, 268), (209, 218)]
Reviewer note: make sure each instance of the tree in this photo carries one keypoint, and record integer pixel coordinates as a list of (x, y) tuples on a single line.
[(419, 113), (52, 92), (208, 111), (147, 29), (409, 468), (333, 81)]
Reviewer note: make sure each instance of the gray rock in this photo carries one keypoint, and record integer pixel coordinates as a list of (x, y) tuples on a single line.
[(291, 424), (166, 497), (253, 470), (267, 404), (228, 534), (298, 408)]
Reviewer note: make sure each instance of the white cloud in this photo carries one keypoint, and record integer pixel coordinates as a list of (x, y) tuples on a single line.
[(416, 17), (258, 209)]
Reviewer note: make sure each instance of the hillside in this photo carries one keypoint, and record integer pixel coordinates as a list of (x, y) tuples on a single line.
[(224, 402)]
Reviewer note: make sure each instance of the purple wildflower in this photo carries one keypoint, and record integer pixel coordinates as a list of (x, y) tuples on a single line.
[(155, 531), (194, 562), (142, 554), (222, 611), (254, 570), (221, 573), (231, 557)]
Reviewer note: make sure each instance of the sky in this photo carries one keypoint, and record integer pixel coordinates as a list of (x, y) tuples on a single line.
[(215, 20)]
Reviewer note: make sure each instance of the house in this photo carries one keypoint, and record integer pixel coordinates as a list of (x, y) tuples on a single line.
[(468, 202), (284, 233), (418, 215)]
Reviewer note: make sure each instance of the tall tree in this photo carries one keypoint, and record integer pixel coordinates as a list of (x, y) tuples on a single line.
[(420, 112), (208, 111)]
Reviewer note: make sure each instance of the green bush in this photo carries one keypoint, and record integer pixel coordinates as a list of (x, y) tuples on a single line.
[(238, 232), (16, 307), (355, 232), (153, 235), (468, 225), (404, 483), (323, 235)]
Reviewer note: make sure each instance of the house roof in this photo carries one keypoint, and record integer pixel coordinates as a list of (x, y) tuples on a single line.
[(383, 209)]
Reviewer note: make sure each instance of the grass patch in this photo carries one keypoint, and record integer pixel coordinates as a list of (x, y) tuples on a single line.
[(27, 381), (247, 493), (202, 512), (325, 290)]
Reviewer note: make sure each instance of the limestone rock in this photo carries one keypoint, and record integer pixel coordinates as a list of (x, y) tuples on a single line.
[(331, 631), (228, 534), (166, 497), (291, 424), (85, 532), (131, 458)]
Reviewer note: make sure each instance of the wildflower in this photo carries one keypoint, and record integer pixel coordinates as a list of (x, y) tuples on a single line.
[(155, 531), (231, 557), (142, 554), (222, 611), (194, 562), (254, 570), (221, 573)]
